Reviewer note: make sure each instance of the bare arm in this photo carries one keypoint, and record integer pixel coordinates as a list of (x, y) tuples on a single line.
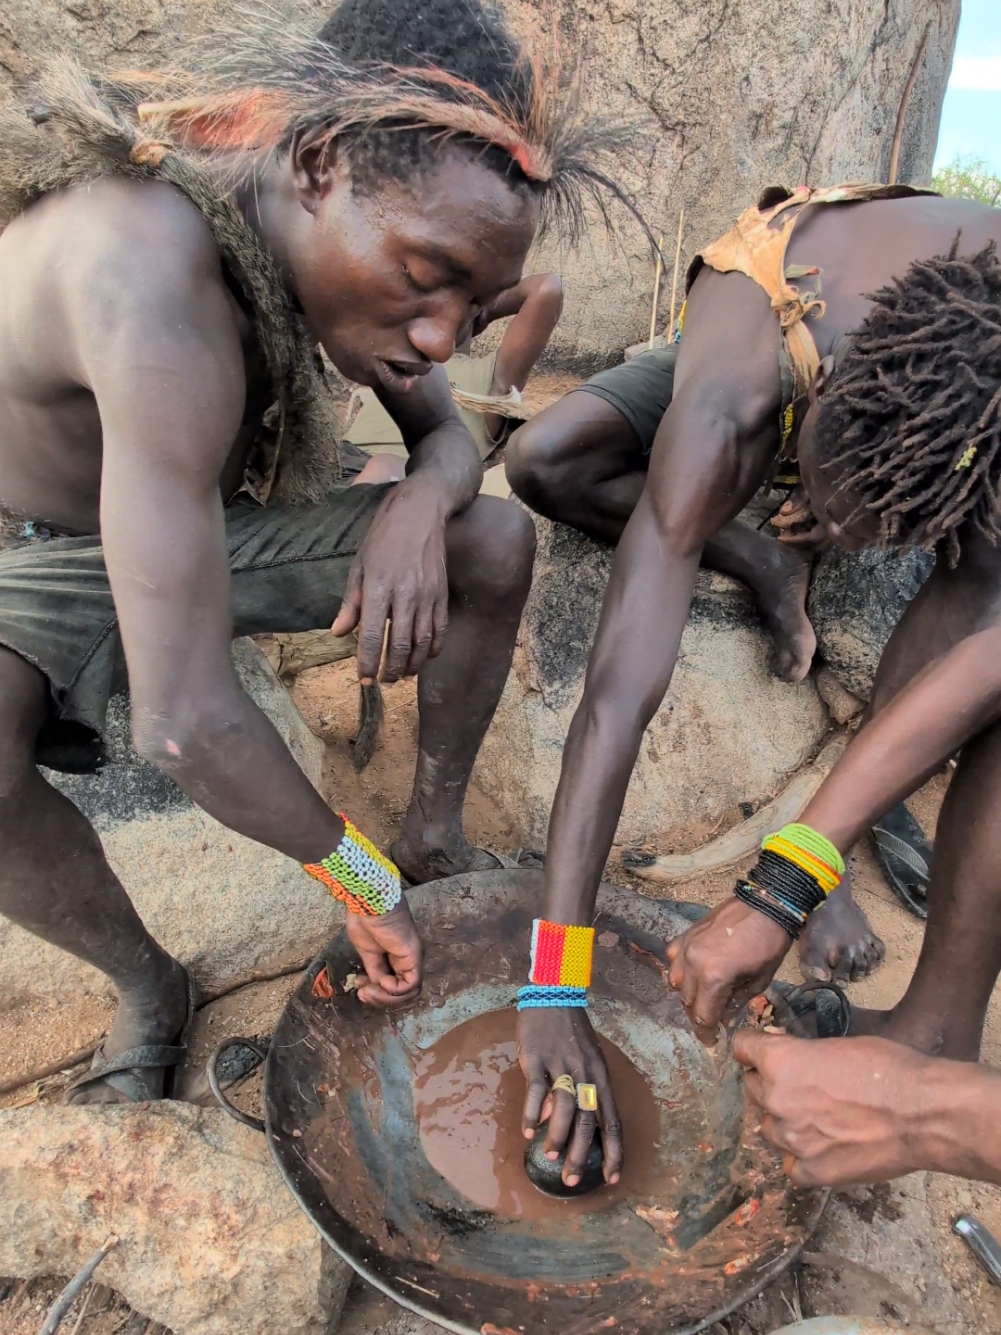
[(399, 575), (709, 457), (165, 364), (953, 699), (536, 304), (733, 953)]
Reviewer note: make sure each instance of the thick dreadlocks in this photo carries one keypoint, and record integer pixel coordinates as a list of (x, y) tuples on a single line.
[(911, 423)]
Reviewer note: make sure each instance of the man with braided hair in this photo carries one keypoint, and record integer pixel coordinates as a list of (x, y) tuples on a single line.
[(898, 442), (176, 249)]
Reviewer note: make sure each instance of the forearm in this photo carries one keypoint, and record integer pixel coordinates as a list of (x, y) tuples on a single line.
[(909, 740), (631, 665), (447, 462), (957, 1126), (228, 757)]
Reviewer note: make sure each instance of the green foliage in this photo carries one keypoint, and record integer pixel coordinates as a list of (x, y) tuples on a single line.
[(969, 178)]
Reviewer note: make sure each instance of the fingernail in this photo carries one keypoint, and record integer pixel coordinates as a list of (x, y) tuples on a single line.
[(613, 1179), (528, 1133), (552, 1155), (573, 1180)]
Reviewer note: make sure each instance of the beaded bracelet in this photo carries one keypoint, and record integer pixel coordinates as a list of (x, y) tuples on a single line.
[(359, 875), (560, 971), (530, 998), (796, 870)]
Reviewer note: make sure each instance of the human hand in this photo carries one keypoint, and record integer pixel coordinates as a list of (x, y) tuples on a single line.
[(399, 576), (796, 523), (555, 1041), (391, 954), (723, 960), (844, 1109)]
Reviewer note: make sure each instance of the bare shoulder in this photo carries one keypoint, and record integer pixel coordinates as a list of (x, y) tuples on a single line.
[(122, 245)]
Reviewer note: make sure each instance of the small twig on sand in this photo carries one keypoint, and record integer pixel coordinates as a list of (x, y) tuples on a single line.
[(68, 1296), (50, 1068), (658, 270), (674, 276), (83, 1308)]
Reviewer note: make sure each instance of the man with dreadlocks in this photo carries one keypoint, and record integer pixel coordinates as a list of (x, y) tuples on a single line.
[(176, 249), (898, 442)]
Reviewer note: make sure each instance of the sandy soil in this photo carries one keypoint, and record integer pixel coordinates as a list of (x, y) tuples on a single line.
[(327, 698)]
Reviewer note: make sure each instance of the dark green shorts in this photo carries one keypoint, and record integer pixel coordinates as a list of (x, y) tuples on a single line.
[(640, 389), (289, 569)]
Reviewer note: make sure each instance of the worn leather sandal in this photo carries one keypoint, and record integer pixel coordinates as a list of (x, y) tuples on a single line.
[(904, 856)]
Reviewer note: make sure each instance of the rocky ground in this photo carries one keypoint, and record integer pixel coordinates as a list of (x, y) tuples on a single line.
[(885, 1252)]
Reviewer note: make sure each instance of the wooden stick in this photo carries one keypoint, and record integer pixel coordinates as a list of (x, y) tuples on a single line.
[(68, 1296), (83, 1307), (674, 277), (898, 131), (656, 290)]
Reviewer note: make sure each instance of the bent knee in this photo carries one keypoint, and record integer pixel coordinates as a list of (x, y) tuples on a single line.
[(495, 550), (529, 462)]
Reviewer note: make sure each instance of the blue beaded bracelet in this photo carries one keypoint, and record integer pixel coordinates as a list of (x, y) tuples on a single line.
[(537, 997)]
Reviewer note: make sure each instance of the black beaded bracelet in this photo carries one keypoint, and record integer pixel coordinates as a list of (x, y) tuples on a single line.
[(775, 872), (771, 905)]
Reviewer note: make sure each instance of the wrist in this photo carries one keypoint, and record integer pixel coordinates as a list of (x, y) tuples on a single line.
[(797, 869), (560, 969), (446, 475), (956, 1109), (357, 874)]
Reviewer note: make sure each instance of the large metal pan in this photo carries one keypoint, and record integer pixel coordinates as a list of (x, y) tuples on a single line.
[(713, 1224)]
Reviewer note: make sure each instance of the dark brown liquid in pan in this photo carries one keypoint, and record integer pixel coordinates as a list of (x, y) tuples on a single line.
[(468, 1095)]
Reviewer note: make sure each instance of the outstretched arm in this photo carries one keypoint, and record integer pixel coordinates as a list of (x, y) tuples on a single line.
[(733, 953), (709, 457)]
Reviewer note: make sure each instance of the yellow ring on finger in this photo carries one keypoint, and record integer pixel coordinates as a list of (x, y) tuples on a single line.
[(566, 1083), (587, 1098)]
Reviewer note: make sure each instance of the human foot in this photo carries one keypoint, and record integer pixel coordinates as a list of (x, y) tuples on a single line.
[(838, 942), (819, 1012), (421, 858), (781, 594), (148, 1024)]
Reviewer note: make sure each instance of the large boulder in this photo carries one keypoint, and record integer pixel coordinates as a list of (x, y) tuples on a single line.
[(210, 1241), (855, 601), (724, 99), (221, 903), (725, 739)]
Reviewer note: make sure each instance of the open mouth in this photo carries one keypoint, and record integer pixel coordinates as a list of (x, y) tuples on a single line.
[(398, 376)]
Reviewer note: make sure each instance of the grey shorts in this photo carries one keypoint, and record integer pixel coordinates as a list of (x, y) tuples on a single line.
[(288, 568), (640, 389)]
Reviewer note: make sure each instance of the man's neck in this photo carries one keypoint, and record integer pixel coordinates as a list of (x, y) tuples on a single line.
[(267, 201)]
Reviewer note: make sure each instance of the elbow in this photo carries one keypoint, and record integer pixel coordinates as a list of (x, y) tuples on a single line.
[(549, 294), (179, 740)]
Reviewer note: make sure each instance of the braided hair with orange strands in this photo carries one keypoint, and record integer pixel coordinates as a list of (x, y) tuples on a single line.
[(397, 83)]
